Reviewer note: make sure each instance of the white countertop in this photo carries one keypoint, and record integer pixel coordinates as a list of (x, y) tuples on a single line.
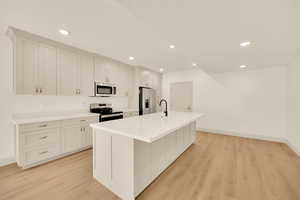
[(43, 117), (148, 128)]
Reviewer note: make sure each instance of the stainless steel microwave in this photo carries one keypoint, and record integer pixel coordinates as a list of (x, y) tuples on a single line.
[(105, 89)]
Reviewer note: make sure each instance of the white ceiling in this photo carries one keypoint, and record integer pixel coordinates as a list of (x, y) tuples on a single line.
[(204, 31)]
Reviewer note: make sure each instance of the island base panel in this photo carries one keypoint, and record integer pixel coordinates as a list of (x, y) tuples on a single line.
[(127, 166)]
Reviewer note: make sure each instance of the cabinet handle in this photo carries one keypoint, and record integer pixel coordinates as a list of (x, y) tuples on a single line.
[(36, 90), (83, 120), (41, 90), (77, 91), (44, 152), (42, 126), (42, 138)]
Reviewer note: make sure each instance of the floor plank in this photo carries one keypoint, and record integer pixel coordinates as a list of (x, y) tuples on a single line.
[(216, 167)]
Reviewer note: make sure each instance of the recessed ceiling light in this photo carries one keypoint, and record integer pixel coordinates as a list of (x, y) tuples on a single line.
[(244, 44), (194, 64), (131, 58), (172, 46), (161, 69), (64, 32), (243, 66)]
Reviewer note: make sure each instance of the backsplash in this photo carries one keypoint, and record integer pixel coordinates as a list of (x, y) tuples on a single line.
[(33, 104)]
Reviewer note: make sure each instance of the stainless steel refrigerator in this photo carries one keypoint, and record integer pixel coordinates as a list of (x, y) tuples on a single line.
[(147, 100)]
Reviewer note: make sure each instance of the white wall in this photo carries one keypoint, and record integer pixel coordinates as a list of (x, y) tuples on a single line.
[(293, 108), (14, 104), (249, 103), (6, 103)]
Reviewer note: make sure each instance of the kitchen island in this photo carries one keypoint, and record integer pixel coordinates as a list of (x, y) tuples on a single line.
[(130, 153)]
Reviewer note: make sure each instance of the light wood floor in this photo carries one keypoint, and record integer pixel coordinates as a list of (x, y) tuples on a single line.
[(215, 167)]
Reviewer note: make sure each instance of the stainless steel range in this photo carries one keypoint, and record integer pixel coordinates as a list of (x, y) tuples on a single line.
[(106, 112)]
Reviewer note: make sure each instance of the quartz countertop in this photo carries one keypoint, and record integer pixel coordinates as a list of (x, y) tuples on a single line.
[(47, 116), (150, 127)]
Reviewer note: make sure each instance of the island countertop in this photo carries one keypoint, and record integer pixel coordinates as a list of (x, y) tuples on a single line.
[(150, 127)]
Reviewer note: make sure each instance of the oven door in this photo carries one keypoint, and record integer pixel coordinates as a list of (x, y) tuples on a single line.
[(109, 117)]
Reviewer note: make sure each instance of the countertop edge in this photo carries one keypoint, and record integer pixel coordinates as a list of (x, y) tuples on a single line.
[(148, 140), (52, 118)]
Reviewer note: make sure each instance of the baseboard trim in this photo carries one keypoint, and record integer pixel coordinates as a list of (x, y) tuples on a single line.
[(7, 161), (245, 135), (251, 136), (293, 147)]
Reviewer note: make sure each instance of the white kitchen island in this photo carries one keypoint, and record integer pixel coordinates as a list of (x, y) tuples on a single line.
[(130, 153)]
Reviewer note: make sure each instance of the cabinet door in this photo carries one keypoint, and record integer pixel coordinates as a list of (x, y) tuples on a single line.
[(26, 68), (47, 69), (180, 141), (86, 75), (101, 70), (72, 138), (87, 136), (158, 158), (68, 67), (121, 79), (145, 78)]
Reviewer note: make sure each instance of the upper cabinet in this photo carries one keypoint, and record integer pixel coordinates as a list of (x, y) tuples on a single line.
[(85, 75), (147, 78), (46, 67), (76, 73), (67, 73), (36, 67), (113, 72)]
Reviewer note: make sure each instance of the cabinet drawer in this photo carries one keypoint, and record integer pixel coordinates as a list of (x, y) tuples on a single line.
[(39, 154), (42, 137), (134, 113), (80, 121), (89, 120), (38, 126), (131, 114)]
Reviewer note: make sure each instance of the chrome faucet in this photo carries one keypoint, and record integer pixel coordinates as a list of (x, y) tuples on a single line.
[(166, 110)]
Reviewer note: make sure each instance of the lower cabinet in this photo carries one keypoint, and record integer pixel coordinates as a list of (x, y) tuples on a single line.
[(130, 114), (71, 138), (87, 139), (40, 142), (76, 137), (126, 166)]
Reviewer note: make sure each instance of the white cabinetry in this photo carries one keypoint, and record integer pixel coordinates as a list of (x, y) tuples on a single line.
[(72, 138), (157, 156), (40, 142), (76, 133), (85, 75), (76, 73), (130, 114), (46, 67), (109, 71), (127, 166), (67, 76), (35, 68), (47, 73), (87, 139)]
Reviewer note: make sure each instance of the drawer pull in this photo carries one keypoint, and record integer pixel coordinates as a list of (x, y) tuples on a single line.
[(43, 152), (43, 126), (42, 138), (83, 120)]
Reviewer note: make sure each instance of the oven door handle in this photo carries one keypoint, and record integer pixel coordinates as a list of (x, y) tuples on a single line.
[(112, 115)]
